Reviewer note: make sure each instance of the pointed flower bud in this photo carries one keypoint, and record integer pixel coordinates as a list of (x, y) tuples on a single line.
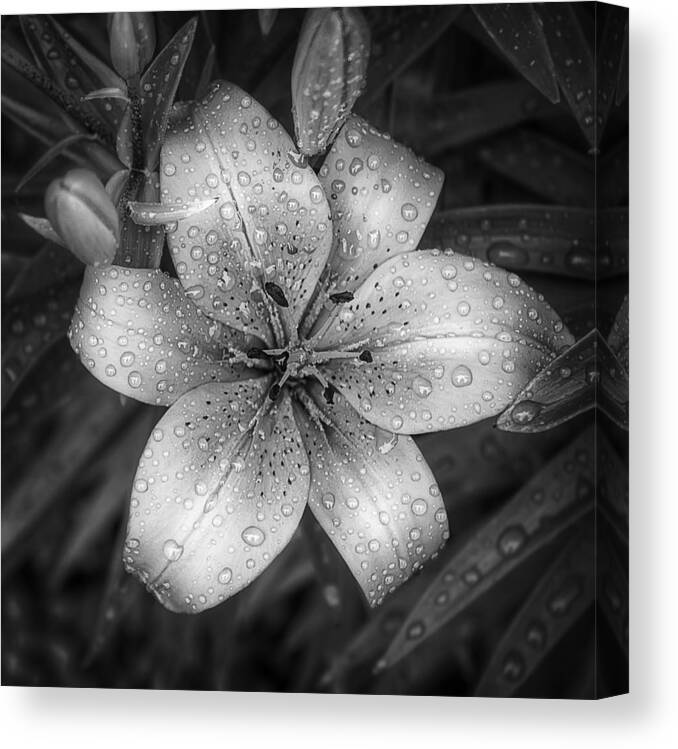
[(84, 216), (132, 39), (329, 74)]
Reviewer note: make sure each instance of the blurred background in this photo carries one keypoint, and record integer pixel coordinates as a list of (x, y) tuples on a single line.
[(530, 596)]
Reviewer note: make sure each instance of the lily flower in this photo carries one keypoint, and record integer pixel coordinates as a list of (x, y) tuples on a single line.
[(303, 341)]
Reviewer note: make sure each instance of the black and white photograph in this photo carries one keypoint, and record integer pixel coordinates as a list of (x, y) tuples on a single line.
[(315, 350)]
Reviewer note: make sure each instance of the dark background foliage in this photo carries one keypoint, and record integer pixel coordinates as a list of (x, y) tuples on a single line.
[(532, 184)]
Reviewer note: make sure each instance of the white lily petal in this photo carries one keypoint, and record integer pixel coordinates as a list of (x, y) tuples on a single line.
[(214, 502), (374, 495), (137, 332)]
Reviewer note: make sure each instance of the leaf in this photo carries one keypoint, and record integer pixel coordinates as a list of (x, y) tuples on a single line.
[(613, 176), (609, 59), (569, 386), (30, 327), (85, 429), (43, 227), (538, 513), (516, 29), (561, 596), (544, 166), (556, 240), (267, 18), (622, 91), (613, 487), (399, 37), (52, 266), (112, 478), (613, 241), (618, 340), (157, 90), (140, 246), (111, 92), (573, 61), (613, 590), (58, 149), (431, 125), (73, 71)]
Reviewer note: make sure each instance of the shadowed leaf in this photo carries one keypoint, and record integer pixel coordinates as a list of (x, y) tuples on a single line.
[(58, 149), (573, 62), (622, 90), (613, 240), (613, 176), (399, 36), (50, 267), (432, 125), (613, 487), (157, 91), (618, 340), (568, 386), (562, 595), (516, 29), (538, 513), (30, 327), (613, 590), (84, 430), (544, 166), (267, 18), (543, 239), (609, 59)]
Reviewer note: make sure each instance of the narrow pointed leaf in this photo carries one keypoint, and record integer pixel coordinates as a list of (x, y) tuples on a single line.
[(95, 415), (112, 92), (69, 103), (157, 91), (516, 30), (432, 125), (568, 386), (550, 503), (609, 56), (267, 18), (72, 67), (399, 37), (30, 327), (544, 166), (559, 599), (573, 62), (556, 240), (140, 245), (618, 340), (613, 176), (613, 487), (159, 214), (43, 227), (50, 268), (58, 149)]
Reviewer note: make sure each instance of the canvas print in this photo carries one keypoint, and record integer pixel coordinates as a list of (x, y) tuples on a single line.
[(315, 350)]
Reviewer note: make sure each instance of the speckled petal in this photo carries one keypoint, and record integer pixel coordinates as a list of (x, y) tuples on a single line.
[(452, 341), (374, 495), (214, 502), (270, 222), (381, 195), (137, 332)]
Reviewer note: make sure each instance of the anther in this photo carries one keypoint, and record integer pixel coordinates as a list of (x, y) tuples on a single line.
[(274, 392), (328, 394), (276, 294), (341, 297), (366, 356)]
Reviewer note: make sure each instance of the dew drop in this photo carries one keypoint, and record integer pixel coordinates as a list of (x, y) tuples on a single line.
[(253, 536), (462, 376), (172, 550)]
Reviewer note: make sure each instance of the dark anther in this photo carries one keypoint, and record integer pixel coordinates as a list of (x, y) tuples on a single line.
[(328, 394), (274, 392), (257, 353), (276, 294), (366, 356), (341, 297)]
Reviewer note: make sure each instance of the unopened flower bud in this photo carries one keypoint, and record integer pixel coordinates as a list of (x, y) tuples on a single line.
[(132, 39), (84, 216), (328, 75)]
